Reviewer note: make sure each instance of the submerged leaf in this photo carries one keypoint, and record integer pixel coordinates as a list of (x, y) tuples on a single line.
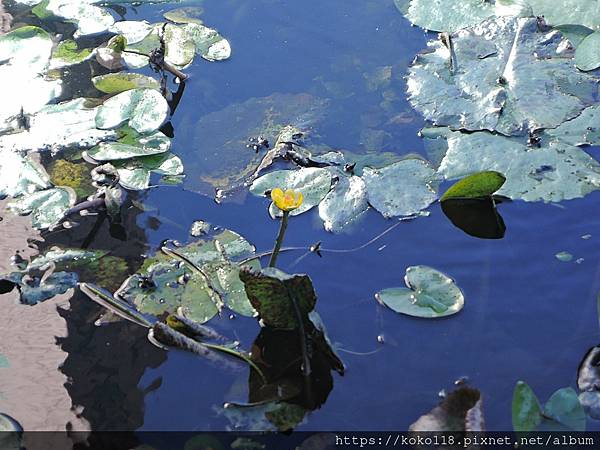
[(478, 185), (500, 75), (430, 294), (401, 189)]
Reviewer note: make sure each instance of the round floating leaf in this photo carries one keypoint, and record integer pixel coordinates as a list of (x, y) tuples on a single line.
[(89, 18), (526, 410), (401, 189), (20, 175), (133, 31), (430, 294), (575, 33), (553, 172), (564, 408), (208, 42), (344, 204), (114, 83), (179, 46), (500, 75), (448, 15), (559, 12), (273, 293), (144, 109), (188, 14), (135, 173), (587, 56), (153, 144), (47, 208), (314, 183), (67, 53), (478, 185)]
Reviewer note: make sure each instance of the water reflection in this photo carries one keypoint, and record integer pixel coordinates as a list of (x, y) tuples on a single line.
[(476, 217)]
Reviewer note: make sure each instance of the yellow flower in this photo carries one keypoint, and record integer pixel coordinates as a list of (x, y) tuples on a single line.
[(288, 200)]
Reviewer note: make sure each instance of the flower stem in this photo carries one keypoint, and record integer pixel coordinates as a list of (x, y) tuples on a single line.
[(279, 241)]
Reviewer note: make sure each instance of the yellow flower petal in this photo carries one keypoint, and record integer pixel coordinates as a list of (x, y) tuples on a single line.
[(288, 200)]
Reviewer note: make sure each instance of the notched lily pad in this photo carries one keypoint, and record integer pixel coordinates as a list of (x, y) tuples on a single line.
[(500, 75), (429, 294), (344, 204), (114, 83)]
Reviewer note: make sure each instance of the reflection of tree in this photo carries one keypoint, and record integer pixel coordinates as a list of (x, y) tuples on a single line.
[(105, 364)]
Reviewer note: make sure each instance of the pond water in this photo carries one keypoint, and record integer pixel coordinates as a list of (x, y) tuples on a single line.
[(527, 316)]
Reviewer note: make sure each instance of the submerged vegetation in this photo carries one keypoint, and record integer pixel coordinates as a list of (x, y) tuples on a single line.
[(484, 86)]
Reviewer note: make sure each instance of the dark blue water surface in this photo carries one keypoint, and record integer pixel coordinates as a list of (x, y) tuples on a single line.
[(527, 315)]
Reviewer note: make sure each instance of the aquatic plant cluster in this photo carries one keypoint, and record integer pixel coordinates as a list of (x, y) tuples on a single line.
[(484, 85)]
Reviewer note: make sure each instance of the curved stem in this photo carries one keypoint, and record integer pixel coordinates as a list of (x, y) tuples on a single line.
[(280, 236)]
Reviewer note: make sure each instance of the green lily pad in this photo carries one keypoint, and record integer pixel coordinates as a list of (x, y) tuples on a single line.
[(133, 31), (67, 53), (208, 42), (526, 410), (501, 75), (145, 110), (448, 15), (587, 56), (401, 189), (188, 14), (564, 256), (574, 33), (114, 83), (131, 147), (430, 294), (564, 408), (135, 173), (273, 293), (554, 172), (180, 48), (47, 208), (344, 204), (478, 185), (560, 12), (314, 183)]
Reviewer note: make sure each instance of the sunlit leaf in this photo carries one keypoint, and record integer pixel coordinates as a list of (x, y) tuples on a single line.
[(344, 204), (20, 175), (131, 147), (587, 56), (67, 53), (114, 83), (478, 185), (135, 173), (429, 294), (526, 410), (47, 208)]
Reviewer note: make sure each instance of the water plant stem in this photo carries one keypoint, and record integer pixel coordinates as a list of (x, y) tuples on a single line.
[(280, 236)]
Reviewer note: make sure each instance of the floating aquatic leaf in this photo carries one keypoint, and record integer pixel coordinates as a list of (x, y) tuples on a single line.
[(553, 172), (448, 15), (20, 175), (500, 75), (220, 159), (208, 42), (526, 410), (114, 83), (131, 146), (133, 31), (313, 183), (145, 110), (401, 189), (47, 208), (430, 294), (279, 416), (25, 53), (89, 18), (344, 204), (67, 53), (583, 130), (66, 125), (478, 185), (587, 56), (135, 173), (455, 413), (273, 294), (574, 33), (179, 46), (559, 12)]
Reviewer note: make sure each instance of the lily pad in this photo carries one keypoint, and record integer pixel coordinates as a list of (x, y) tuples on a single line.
[(208, 42), (67, 53), (582, 130), (430, 294), (500, 75), (344, 204), (89, 18), (401, 189), (135, 173), (20, 175), (526, 410), (448, 15), (131, 147), (145, 110), (114, 83), (314, 183), (47, 208), (179, 46), (273, 294), (553, 172), (188, 14), (587, 56), (478, 185), (564, 408), (559, 12)]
